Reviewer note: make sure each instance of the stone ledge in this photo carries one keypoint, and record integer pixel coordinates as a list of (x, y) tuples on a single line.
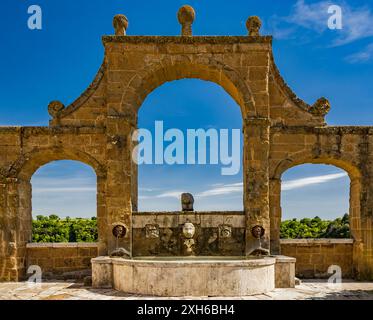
[(186, 40), (228, 213), (316, 241), (63, 245), (285, 259)]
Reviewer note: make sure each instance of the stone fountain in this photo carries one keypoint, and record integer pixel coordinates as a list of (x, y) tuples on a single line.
[(174, 261)]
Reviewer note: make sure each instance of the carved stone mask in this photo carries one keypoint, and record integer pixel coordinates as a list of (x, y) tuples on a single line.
[(119, 231), (189, 230), (257, 232), (152, 231)]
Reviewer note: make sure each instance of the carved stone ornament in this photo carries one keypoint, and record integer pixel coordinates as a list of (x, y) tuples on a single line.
[(151, 231), (253, 25), (119, 231), (225, 231), (188, 230), (321, 107), (120, 24), (187, 202), (55, 108), (257, 232), (186, 16)]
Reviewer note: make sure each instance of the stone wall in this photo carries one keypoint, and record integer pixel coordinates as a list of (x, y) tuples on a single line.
[(217, 233), (61, 260), (315, 256)]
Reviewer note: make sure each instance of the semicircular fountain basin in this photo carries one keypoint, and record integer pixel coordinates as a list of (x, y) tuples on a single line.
[(186, 276)]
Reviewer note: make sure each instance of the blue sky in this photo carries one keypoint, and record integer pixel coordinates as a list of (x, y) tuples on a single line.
[(59, 61)]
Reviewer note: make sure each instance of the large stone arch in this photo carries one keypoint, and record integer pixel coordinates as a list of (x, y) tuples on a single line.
[(186, 67)]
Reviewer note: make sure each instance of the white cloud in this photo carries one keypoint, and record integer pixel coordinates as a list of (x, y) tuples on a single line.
[(365, 55), (170, 194), (44, 185), (237, 188), (304, 182), (67, 189), (222, 190), (357, 21)]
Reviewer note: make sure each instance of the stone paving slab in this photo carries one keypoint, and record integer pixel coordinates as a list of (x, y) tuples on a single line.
[(307, 290)]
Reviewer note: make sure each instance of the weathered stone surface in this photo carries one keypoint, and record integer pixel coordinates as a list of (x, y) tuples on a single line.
[(280, 131), (189, 277)]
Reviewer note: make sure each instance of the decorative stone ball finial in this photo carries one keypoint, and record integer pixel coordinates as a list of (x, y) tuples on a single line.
[(120, 24), (186, 16), (54, 108), (321, 107), (253, 25)]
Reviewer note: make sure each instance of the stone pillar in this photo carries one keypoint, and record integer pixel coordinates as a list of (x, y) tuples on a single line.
[(119, 181), (256, 180), (361, 211), (23, 224), (275, 214), (9, 269), (102, 219)]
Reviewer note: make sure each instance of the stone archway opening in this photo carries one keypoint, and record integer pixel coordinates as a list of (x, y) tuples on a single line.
[(200, 111), (64, 205), (312, 193), (318, 217)]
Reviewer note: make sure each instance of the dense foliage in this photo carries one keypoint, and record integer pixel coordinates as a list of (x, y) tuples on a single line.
[(315, 228), (54, 229)]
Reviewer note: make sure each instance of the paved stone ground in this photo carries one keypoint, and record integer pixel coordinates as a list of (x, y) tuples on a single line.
[(312, 289)]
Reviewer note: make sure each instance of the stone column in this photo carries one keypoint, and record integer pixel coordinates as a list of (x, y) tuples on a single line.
[(9, 269), (256, 180), (102, 219), (361, 210), (119, 181), (275, 214)]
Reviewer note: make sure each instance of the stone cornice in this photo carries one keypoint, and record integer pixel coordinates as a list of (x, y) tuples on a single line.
[(188, 40)]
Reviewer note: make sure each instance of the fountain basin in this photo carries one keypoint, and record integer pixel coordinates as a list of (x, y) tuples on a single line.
[(186, 276)]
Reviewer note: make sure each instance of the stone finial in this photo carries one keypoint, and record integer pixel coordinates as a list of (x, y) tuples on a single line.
[(253, 25), (55, 107), (321, 107), (186, 17), (187, 202), (120, 24)]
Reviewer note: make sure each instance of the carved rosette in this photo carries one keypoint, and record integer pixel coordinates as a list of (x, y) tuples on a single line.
[(225, 231), (321, 107), (55, 108)]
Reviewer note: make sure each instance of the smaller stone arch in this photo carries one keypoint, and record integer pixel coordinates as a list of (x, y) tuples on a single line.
[(298, 159), (28, 163)]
